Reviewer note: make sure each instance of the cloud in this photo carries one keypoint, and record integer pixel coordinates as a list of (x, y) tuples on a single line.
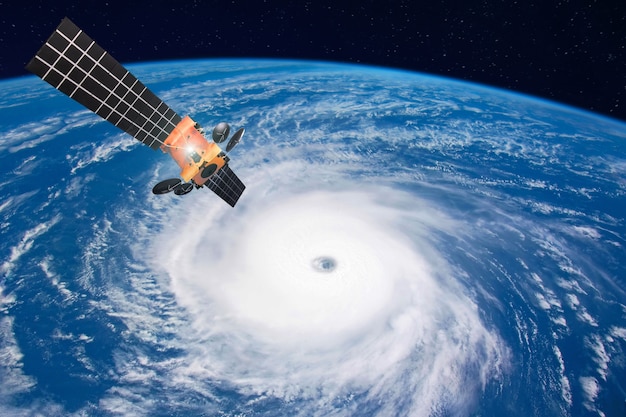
[(26, 243), (388, 321)]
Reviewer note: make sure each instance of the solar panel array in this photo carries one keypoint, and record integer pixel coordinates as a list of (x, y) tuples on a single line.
[(74, 64), (226, 185)]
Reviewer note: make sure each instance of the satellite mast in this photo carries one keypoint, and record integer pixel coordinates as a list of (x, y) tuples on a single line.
[(74, 64)]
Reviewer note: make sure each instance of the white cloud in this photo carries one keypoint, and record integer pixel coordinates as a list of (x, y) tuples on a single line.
[(265, 320), (590, 389), (26, 243)]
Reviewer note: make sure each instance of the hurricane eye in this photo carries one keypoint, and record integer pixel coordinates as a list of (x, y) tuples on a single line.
[(324, 264)]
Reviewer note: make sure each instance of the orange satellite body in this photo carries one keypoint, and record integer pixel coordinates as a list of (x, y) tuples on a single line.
[(197, 158)]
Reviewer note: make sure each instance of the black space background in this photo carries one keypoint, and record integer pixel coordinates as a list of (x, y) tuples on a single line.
[(572, 51)]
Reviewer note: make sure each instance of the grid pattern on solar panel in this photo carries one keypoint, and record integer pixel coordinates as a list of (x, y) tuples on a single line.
[(74, 64), (226, 185)]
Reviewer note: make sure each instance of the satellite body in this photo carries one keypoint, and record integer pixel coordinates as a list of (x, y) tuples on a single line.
[(198, 159), (74, 64)]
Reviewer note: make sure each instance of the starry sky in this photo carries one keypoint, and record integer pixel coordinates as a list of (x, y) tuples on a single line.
[(570, 51)]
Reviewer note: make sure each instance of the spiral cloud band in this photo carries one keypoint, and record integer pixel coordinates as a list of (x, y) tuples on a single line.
[(325, 294)]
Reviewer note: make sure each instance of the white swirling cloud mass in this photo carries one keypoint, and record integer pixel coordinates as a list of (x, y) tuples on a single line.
[(337, 290)]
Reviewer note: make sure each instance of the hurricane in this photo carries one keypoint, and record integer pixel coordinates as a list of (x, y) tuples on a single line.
[(405, 246), (325, 290)]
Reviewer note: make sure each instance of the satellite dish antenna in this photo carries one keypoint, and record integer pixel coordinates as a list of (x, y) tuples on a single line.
[(183, 189), (221, 132), (166, 186), (235, 139)]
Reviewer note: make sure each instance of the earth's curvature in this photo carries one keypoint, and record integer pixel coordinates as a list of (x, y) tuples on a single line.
[(406, 246)]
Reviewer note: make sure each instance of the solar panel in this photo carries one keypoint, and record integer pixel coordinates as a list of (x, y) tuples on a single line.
[(226, 185), (74, 64)]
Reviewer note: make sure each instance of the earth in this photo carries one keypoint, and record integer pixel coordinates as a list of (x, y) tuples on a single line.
[(407, 245)]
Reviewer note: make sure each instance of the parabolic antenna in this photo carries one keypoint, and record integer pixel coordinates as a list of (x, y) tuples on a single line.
[(221, 132), (166, 186), (235, 139), (183, 189)]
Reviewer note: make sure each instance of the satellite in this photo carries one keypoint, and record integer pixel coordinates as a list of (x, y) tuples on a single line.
[(74, 64)]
